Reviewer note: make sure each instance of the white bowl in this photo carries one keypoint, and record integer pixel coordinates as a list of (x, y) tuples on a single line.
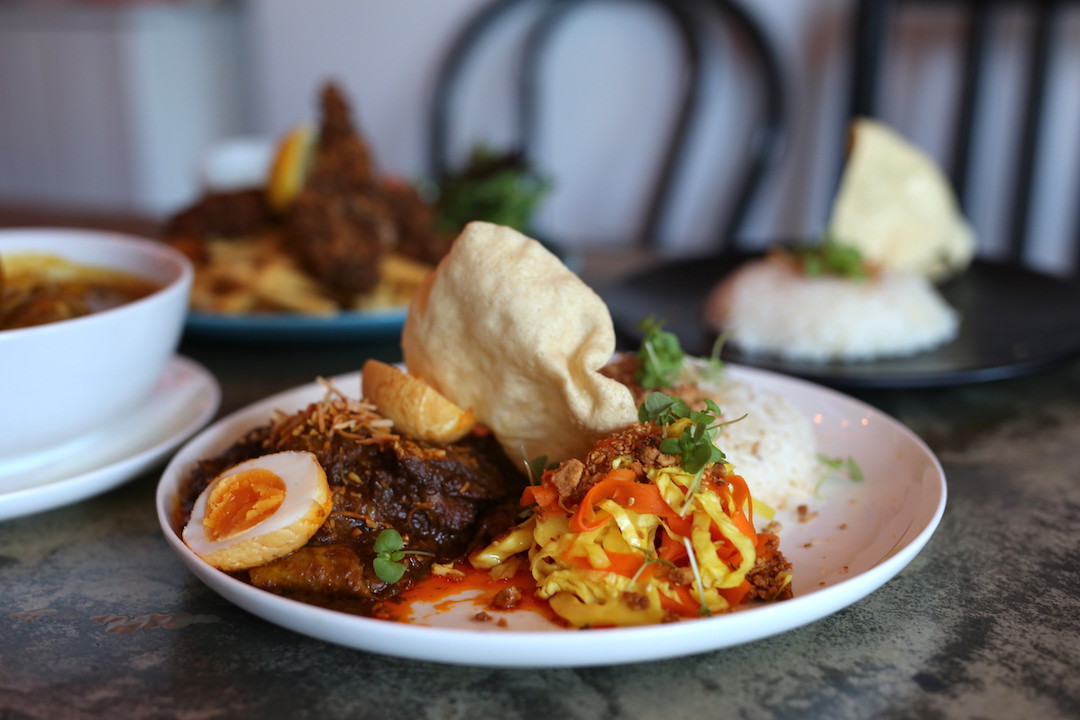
[(63, 379)]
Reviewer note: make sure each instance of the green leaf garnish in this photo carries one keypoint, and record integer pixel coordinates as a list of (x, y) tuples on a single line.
[(388, 541), (660, 357), (388, 570), (715, 367), (535, 468), (840, 466), (662, 409), (389, 553), (501, 188), (650, 558), (854, 472), (696, 444), (830, 257)]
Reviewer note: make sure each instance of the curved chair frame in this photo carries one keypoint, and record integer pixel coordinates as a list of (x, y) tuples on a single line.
[(765, 144), (871, 35)]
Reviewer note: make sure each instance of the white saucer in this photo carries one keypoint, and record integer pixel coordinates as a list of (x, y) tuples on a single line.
[(184, 399)]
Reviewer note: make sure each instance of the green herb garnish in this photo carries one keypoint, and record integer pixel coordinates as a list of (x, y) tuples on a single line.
[(389, 553), (854, 472), (714, 368), (660, 357), (535, 468), (499, 188), (650, 558), (662, 409), (696, 443), (830, 257), (703, 611), (846, 466)]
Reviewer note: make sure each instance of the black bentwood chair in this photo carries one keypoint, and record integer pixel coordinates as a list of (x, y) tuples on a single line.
[(1029, 34), (989, 77), (697, 23)]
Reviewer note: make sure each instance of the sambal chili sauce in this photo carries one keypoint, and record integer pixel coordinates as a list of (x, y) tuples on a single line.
[(472, 594)]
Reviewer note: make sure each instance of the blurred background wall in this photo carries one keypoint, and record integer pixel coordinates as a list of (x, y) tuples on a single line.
[(107, 106), (111, 106)]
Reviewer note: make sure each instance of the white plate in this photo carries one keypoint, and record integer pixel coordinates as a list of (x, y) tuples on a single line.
[(856, 537), (184, 400)]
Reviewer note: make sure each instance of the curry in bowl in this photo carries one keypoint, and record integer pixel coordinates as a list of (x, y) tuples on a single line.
[(38, 288), (88, 323)]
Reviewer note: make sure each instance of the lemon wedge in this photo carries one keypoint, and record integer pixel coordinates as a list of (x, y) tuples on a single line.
[(290, 167)]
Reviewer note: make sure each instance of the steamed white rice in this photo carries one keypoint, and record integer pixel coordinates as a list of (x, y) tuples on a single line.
[(773, 447), (769, 307)]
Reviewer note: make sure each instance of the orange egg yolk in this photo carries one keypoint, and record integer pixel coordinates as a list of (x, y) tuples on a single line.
[(241, 501)]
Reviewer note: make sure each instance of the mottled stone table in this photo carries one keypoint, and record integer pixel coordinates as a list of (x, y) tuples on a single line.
[(98, 618)]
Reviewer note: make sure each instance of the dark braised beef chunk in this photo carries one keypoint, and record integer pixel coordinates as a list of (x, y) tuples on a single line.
[(443, 499), (436, 496), (316, 570)]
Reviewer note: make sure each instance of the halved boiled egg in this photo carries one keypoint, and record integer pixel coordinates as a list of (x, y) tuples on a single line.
[(259, 510)]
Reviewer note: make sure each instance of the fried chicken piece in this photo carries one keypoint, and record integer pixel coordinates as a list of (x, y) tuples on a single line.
[(338, 227), (415, 221), (342, 156), (228, 214), (340, 239), (223, 214)]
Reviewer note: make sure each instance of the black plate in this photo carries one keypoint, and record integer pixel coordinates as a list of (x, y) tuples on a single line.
[(1013, 322)]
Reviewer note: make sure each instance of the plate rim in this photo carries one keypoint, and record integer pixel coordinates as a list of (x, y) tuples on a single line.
[(489, 649)]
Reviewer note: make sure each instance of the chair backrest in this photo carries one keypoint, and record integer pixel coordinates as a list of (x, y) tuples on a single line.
[(690, 20), (876, 43)]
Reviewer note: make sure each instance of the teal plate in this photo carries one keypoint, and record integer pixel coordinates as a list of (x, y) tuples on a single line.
[(344, 327), (286, 328)]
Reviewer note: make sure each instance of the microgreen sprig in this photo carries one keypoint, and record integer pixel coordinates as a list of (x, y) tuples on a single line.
[(663, 409), (849, 466), (696, 443), (650, 558), (704, 609), (714, 368), (831, 257), (660, 357), (535, 468), (835, 466), (389, 554)]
